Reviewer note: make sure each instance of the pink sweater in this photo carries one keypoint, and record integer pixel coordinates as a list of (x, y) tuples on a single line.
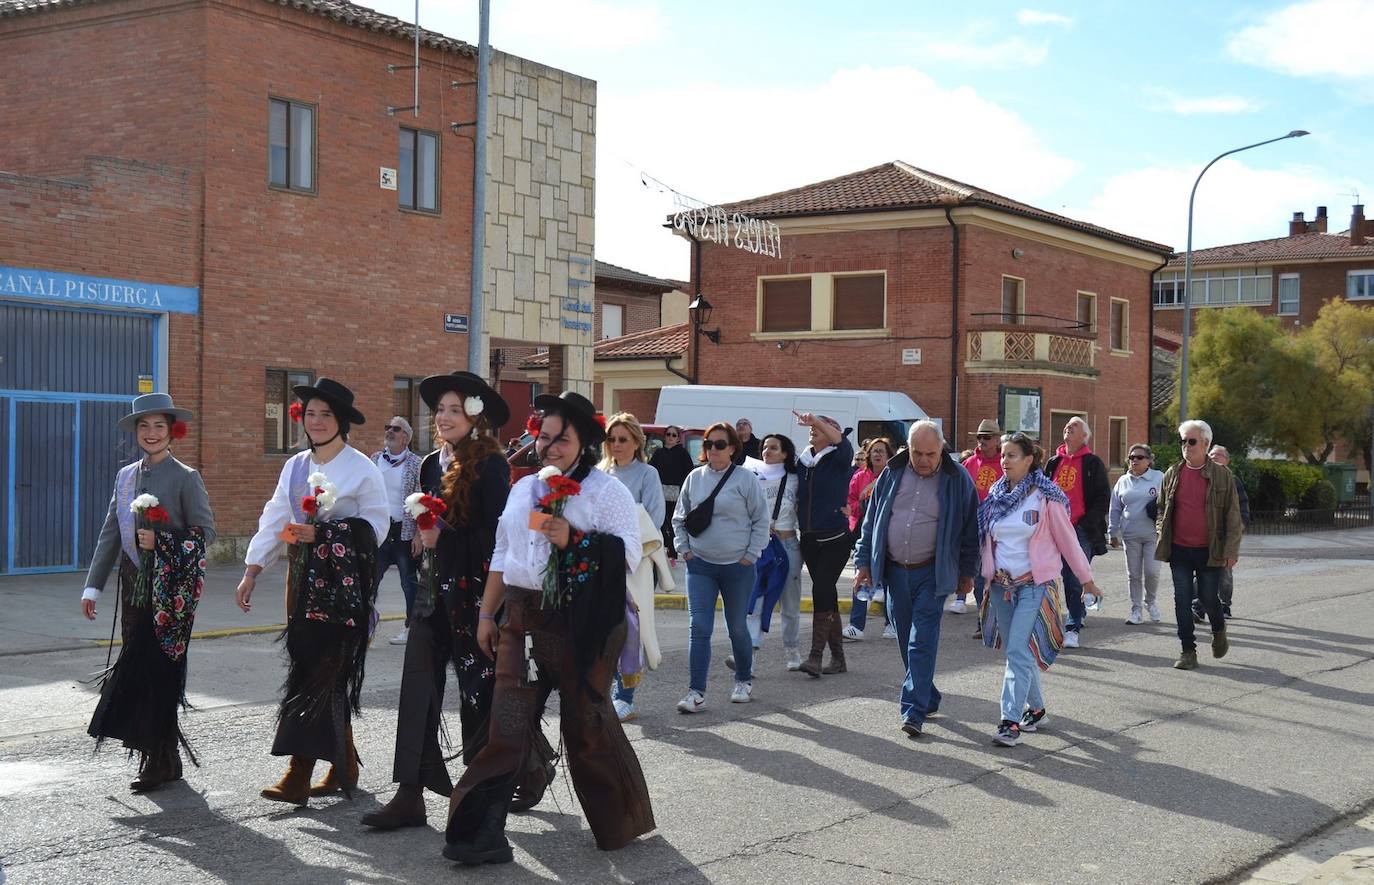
[(1053, 538), (857, 483)]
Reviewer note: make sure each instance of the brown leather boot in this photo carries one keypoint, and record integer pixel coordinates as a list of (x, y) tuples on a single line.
[(330, 782), (294, 787), (406, 809), (835, 639), (820, 630)]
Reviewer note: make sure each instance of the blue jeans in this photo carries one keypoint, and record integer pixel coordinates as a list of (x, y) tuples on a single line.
[(1073, 590), (707, 581), (1187, 564), (916, 609), (621, 693), (396, 552), (1015, 620)]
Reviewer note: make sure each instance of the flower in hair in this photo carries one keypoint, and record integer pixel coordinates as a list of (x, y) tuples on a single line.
[(472, 406)]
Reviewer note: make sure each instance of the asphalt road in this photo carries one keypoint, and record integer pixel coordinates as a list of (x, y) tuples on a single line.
[(1143, 774)]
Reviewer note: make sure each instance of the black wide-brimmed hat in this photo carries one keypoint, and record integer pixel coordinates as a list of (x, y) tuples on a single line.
[(334, 393), (494, 406), (580, 410), (152, 404)]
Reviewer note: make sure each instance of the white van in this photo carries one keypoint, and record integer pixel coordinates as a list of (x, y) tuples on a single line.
[(867, 413)]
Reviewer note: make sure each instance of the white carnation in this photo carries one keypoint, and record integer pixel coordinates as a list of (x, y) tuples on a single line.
[(143, 502), (473, 406), (413, 505), (548, 473), (326, 499), (317, 479)]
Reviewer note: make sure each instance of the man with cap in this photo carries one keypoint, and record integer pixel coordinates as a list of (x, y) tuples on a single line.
[(141, 693), (400, 468), (984, 467)]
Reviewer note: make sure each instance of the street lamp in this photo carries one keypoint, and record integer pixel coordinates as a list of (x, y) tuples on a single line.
[(700, 310), (1188, 270)]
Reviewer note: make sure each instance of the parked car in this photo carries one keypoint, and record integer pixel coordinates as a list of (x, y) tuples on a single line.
[(524, 461)]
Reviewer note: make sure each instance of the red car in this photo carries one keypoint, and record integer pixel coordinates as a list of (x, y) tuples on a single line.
[(523, 461)]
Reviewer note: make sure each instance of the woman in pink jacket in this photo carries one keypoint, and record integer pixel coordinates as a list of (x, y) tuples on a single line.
[(875, 456), (1024, 530)]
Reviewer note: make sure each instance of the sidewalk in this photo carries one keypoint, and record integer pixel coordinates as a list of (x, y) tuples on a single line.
[(1341, 855)]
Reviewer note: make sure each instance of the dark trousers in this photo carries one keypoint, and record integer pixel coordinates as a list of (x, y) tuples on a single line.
[(396, 552), (1073, 588), (825, 555), (1186, 565)]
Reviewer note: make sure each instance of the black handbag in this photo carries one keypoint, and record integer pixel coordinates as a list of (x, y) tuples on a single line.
[(698, 519)]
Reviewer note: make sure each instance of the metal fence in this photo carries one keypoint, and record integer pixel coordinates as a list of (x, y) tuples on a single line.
[(1355, 515)]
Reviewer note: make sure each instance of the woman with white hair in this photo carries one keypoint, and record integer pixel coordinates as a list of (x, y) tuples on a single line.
[(1131, 523), (1199, 536)]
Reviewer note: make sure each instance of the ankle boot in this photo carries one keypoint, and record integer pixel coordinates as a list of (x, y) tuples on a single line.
[(294, 787), (487, 843), (331, 783), (820, 629), (406, 809), (835, 639)]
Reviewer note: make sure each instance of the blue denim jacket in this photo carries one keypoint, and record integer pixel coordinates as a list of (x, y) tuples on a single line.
[(956, 537)]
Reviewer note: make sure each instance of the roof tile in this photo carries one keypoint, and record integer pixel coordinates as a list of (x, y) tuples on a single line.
[(1295, 248), (660, 343)]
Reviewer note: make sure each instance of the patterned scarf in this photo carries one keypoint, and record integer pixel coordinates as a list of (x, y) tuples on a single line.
[(1003, 499)]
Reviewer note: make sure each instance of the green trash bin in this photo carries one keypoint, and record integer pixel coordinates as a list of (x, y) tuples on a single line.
[(1342, 476)]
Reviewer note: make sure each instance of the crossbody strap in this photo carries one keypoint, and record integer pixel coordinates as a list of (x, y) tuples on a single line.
[(720, 485), (777, 501)]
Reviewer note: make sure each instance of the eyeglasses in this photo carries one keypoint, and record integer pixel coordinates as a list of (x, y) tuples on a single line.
[(395, 428), (1191, 441), (719, 445), (1138, 457)]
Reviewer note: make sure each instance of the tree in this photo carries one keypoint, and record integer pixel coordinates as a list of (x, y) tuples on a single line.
[(1341, 343), (1231, 372)]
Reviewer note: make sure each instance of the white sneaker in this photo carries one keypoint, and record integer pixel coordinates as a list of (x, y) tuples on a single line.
[(1154, 613), (1135, 617), (693, 702), (400, 638), (624, 711), (958, 606), (1071, 639), (741, 693), (794, 659), (877, 595), (852, 633), (889, 632)]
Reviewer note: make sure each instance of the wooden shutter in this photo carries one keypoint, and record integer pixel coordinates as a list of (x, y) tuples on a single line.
[(787, 305), (860, 302)]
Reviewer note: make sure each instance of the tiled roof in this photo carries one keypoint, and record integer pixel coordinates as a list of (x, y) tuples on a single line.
[(896, 186), (660, 343), (1162, 382), (1298, 247), (605, 270), (339, 10)]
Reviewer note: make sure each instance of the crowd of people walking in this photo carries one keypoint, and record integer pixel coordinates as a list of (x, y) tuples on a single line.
[(549, 583)]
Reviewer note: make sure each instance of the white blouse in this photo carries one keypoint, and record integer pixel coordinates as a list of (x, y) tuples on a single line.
[(1012, 535), (361, 494), (770, 477), (604, 505)]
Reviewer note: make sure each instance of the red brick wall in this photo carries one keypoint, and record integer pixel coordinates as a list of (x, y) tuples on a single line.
[(1317, 284), (643, 310), (642, 403), (917, 262)]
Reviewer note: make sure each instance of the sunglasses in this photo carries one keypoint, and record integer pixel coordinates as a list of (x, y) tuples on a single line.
[(393, 427), (719, 445), (670, 436), (1138, 457), (620, 439), (1191, 441), (986, 436)]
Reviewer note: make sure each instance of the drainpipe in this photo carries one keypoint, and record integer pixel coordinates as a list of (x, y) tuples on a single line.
[(953, 329), (668, 364), (1149, 397), (477, 323), (692, 320)]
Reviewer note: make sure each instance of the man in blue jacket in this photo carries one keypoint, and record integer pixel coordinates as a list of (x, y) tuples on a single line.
[(920, 540)]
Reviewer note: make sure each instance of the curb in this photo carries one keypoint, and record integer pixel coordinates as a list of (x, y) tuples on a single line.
[(234, 631)]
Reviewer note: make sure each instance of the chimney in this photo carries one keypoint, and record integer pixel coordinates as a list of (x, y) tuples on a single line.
[(1297, 225), (1357, 225), (1320, 223)]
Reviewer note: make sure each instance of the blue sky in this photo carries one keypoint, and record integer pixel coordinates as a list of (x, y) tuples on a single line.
[(1103, 111)]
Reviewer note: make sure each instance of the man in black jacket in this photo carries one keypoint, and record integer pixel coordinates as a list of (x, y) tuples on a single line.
[(1083, 477)]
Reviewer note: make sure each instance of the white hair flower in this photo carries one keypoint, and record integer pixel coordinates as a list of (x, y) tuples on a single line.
[(548, 473), (143, 502), (472, 406)]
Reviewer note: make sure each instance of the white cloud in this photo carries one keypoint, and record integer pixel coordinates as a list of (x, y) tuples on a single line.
[(721, 144), (1316, 38), (587, 25), (1235, 202), (1031, 17), (1170, 102), (1010, 52)]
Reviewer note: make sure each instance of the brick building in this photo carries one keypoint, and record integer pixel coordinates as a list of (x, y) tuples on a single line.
[(1291, 276), (222, 198), (973, 304)]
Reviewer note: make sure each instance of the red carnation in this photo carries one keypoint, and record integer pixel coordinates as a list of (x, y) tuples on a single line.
[(601, 419), (434, 505), (532, 424), (564, 487), (156, 514), (178, 430), (309, 504), (297, 411), (426, 520)]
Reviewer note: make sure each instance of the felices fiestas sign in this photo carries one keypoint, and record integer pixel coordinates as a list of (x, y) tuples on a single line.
[(75, 289), (715, 225)]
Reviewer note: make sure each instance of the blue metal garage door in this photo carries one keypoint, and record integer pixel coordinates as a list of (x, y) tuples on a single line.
[(65, 378)]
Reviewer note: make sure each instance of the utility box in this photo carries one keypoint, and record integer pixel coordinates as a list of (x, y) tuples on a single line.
[(1342, 476)]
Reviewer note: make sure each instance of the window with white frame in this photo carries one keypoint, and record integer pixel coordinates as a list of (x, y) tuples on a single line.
[(1087, 312), (612, 320), (1359, 285), (1120, 328), (1289, 295), (1013, 300), (1223, 287), (848, 304)]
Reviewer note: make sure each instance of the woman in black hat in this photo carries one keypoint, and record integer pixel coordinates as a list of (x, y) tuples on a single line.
[(161, 558), (469, 473), (330, 507), (560, 569)]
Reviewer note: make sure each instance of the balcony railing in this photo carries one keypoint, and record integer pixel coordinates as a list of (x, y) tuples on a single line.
[(1048, 350)]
